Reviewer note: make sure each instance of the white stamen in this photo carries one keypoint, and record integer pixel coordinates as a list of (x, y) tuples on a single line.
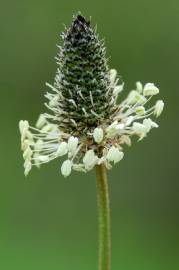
[(98, 135), (23, 125), (43, 158), (139, 87), (158, 108), (140, 110), (72, 144), (27, 167), (150, 89), (114, 154), (135, 97), (66, 168), (148, 123), (139, 128), (113, 74), (62, 149), (90, 160), (25, 144), (27, 153)]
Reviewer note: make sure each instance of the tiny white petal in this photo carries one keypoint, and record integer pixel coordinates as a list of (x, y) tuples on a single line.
[(41, 121), (62, 149), (150, 89), (72, 144), (98, 135), (66, 168), (139, 87), (114, 154), (158, 108)]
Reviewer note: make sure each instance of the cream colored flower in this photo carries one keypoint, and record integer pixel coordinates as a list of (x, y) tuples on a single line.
[(85, 120)]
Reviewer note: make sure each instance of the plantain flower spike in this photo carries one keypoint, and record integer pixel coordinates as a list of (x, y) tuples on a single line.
[(85, 122)]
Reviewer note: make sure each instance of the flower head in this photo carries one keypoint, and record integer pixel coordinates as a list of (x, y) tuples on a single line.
[(87, 124)]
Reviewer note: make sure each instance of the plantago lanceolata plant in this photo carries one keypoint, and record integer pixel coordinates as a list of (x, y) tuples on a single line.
[(85, 122)]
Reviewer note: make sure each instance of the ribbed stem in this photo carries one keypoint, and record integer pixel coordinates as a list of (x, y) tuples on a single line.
[(104, 219)]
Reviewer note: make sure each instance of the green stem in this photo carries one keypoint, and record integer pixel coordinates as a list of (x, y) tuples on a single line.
[(104, 218)]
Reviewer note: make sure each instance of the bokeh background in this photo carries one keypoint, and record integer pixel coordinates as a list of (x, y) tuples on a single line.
[(48, 222)]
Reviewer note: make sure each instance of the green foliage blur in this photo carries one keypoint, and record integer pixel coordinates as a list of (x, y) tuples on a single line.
[(48, 222)]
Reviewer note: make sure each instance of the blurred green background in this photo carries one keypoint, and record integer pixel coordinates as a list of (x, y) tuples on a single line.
[(48, 222)]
